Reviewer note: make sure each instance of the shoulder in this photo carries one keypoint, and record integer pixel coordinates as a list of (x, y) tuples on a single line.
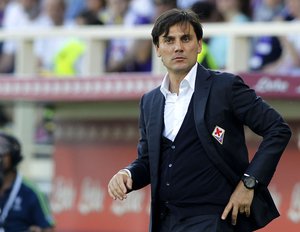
[(150, 99), (221, 74), (226, 84), (13, 15), (13, 8), (36, 200), (228, 77), (30, 190), (215, 75), (151, 94), (224, 78)]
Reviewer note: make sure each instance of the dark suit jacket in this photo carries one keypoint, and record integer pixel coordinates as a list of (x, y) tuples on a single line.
[(220, 99)]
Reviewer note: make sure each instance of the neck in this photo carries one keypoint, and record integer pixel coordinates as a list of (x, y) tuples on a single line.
[(174, 85), (175, 80)]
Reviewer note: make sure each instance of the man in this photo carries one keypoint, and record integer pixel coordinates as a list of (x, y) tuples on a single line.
[(18, 15), (192, 148), (23, 207), (161, 6)]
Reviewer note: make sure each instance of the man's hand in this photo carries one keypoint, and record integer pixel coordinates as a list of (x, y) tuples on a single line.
[(35, 229), (39, 229), (240, 202), (119, 185)]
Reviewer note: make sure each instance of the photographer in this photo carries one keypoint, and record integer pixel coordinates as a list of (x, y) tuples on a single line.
[(22, 206)]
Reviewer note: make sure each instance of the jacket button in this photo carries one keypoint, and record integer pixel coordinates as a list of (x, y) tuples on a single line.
[(173, 147)]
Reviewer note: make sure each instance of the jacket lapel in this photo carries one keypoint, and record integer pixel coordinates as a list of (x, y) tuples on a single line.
[(155, 131), (201, 93)]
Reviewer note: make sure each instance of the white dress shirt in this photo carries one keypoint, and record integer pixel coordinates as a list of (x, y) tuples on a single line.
[(176, 106)]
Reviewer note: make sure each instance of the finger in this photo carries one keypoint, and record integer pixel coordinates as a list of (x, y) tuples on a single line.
[(247, 211), (129, 183), (121, 185), (118, 191), (226, 211), (111, 193), (242, 210), (234, 214)]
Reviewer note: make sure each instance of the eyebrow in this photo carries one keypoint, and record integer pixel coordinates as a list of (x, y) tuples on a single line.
[(185, 34)]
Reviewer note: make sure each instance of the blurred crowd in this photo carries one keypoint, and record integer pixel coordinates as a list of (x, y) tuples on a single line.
[(62, 56)]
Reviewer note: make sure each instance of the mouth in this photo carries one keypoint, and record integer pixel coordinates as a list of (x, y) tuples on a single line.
[(179, 58)]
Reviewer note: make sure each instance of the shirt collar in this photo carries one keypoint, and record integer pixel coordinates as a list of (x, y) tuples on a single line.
[(190, 78)]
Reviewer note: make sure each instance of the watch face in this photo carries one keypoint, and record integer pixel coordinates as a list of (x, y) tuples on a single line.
[(249, 182)]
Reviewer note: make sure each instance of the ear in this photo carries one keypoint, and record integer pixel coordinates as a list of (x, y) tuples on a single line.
[(200, 46), (157, 51)]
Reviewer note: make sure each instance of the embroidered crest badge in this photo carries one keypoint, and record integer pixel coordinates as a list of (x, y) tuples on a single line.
[(218, 134)]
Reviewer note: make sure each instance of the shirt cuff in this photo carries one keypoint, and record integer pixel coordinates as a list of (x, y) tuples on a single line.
[(126, 171)]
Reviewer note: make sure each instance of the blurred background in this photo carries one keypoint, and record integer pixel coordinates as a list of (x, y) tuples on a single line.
[(72, 73)]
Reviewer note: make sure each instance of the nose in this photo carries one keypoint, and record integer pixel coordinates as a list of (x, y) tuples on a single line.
[(178, 46)]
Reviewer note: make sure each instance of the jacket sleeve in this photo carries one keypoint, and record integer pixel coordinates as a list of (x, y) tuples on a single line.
[(140, 167), (252, 111)]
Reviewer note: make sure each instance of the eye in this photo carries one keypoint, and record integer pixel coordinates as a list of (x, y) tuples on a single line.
[(168, 40), (186, 38)]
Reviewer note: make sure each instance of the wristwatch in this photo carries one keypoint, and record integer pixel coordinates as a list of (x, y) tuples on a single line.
[(250, 182)]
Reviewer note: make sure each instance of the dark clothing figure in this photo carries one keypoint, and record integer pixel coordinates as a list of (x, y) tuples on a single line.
[(22, 206), (192, 147)]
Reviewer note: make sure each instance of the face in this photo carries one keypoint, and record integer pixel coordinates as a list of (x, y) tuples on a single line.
[(179, 49), (118, 7), (95, 5), (272, 3), (55, 10), (28, 4), (161, 8), (227, 5), (294, 7), (5, 162)]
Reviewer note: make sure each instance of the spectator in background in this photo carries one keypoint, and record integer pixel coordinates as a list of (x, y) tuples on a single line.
[(96, 7), (266, 49), (289, 62), (88, 17), (206, 12), (59, 56), (144, 7), (3, 4), (125, 55), (232, 11), (23, 206), (186, 4), (160, 6), (267, 10), (18, 14), (73, 8)]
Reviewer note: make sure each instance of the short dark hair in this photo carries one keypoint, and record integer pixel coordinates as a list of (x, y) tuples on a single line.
[(204, 9), (89, 18), (175, 16), (172, 3), (10, 145)]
